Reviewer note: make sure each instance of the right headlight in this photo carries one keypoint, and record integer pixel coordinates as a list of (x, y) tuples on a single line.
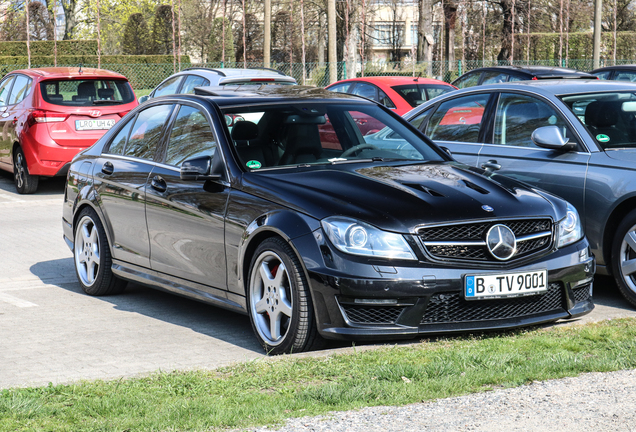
[(570, 228), (359, 238)]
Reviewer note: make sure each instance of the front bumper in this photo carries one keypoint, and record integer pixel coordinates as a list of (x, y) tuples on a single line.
[(402, 302)]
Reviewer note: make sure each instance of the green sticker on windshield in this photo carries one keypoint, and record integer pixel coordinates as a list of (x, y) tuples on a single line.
[(602, 138), (253, 164)]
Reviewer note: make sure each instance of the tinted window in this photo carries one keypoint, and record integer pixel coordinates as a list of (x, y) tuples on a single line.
[(169, 87), (340, 88), (384, 99), (118, 143), (191, 136), (416, 94), (21, 87), (625, 76), (458, 119), (494, 78), (603, 75), (365, 90), (5, 86), (417, 120), (146, 132), (86, 92), (468, 80), (193, 81), (519, 115)]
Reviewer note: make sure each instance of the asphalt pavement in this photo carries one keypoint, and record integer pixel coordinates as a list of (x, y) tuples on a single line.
[(51, 332)]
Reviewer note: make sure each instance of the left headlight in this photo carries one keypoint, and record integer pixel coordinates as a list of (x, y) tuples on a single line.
[(570, 229), (359, 238)]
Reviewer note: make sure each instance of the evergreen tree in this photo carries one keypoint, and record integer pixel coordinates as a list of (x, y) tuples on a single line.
[(215, 47), (136, 39), (162, 30)]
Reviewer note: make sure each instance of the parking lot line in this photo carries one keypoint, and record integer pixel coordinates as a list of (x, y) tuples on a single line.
[(7, 298)]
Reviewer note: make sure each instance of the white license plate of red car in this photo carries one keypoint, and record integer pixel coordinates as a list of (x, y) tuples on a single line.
[(485, 286), (94, 124)]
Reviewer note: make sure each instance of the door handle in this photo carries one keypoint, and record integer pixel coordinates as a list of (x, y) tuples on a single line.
[(159, 184), (491, 165), (108, 168)]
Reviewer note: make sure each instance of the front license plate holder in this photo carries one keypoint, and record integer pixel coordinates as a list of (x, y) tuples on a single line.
[(505, 285)]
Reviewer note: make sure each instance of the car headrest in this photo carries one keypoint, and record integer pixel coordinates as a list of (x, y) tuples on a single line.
[(602, 113), (105, 93), (244, 131)]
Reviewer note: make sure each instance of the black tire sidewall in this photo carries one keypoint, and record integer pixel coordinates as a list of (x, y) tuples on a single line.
[(296, 338), (30, 182), (628, 222)]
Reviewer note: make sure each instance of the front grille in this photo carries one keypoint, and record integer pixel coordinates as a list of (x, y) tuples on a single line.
[(458, 239), (581, 294), (452, 308), (359, 314)]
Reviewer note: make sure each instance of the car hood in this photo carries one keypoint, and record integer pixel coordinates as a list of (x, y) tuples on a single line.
[(400, 197)]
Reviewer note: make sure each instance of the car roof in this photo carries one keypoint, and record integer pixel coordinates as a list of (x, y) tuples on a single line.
[(253, 94), (69, 72), (615, 67), (394, 80), (539, 71), (556, 87), (235, 72)]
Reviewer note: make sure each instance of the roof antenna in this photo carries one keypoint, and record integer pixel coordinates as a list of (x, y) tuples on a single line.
[(419, 75), (80, 70)]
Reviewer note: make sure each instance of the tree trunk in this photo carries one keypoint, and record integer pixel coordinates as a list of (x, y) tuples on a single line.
[(506, 34), (450, 18), (424, 28), (70, 18)]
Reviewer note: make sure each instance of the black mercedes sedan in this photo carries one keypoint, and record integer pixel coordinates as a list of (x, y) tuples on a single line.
[(319, 215)]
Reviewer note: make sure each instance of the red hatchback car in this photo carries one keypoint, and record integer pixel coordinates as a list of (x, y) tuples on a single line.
[(48, 115), (396, 92)]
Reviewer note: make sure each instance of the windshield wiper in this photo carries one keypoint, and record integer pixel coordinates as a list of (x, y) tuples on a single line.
[(107, 102)]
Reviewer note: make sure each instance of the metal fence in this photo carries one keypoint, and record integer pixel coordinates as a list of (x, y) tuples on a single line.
[(145, 77)]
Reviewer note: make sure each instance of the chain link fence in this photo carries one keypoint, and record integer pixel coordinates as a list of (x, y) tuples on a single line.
[(145, 77)]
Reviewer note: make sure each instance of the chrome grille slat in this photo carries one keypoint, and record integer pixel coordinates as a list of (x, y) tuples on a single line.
[(466, 242)]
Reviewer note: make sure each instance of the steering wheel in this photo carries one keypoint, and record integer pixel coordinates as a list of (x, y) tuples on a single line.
[(358, 147)]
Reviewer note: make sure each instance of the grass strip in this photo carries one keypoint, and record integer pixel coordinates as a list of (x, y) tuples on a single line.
[(267, 391)]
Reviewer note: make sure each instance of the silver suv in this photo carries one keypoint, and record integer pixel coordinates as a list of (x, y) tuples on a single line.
[(185, 81)]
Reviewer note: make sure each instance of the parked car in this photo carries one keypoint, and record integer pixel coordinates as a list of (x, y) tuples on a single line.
[(616, 73), (401, 94), (501, 74), (293, 218), (185, 81), (576, 139), (48, 115)]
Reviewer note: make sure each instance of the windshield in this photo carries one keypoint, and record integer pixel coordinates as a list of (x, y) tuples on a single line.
[(321, 133), (610, 117), (87, 92)]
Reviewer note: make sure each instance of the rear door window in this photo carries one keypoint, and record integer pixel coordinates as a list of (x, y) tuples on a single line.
[(494, 78), (366, 90), (193, 81), (191, 136), (146, 132), (168, 87), (458, 119), (21, 88), (468, 80)]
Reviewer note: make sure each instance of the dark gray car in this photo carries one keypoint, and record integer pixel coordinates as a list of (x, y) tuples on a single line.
[(576, 139)]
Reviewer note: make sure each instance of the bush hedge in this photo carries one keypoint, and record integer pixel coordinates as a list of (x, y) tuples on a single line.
[(45, 48)]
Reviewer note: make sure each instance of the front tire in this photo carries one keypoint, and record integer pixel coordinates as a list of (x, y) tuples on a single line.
[(279, 301), (25, 183), (91, 254), (624, 257)]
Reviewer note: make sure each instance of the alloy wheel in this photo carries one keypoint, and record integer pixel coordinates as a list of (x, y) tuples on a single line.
[(627, 259), (87, 258)]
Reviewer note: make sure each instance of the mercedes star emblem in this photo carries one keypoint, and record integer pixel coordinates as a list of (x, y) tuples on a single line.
[(501, 242)]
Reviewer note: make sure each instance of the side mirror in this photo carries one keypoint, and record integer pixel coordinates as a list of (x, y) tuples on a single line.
[(550, 137), (143, 99), (198, 168)]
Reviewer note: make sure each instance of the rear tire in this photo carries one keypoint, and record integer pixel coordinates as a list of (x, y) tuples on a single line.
[(279, 301), (91, 255), (25, 183), (624, 257)]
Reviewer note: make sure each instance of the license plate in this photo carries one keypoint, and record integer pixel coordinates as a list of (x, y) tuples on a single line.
[(485, 286), (94, 124)]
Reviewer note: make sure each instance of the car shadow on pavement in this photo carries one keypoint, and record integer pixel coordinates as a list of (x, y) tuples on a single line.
[(53, 186), (218, 323)]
